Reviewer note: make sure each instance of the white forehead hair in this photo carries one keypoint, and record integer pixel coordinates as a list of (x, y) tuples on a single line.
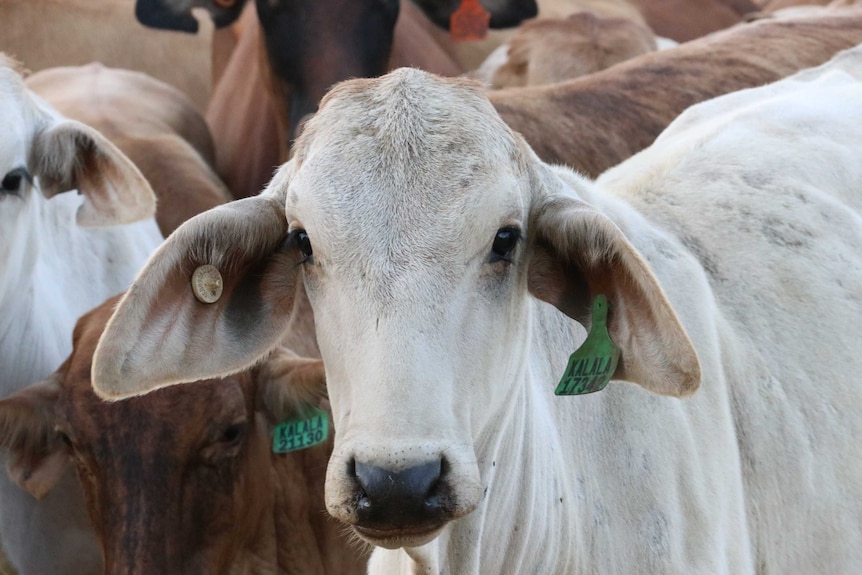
[(409, 112), (408, 128)]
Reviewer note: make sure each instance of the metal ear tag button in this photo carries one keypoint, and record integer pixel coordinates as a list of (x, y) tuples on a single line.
[(207, 284), (593, 364)]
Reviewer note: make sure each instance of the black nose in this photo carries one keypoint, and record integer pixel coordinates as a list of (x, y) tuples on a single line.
[(398, 499)]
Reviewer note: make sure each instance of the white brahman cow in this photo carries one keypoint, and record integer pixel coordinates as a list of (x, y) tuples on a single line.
[(61, 254), (451, 272)]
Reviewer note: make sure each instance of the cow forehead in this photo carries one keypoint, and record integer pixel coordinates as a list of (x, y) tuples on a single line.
[(404, 153)]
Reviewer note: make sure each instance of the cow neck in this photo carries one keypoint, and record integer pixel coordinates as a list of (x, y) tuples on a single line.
[(31, 345), (529, 497)]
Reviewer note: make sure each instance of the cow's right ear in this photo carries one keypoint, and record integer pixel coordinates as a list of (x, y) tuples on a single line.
[(37, 455), (68, 155), (213, 299)]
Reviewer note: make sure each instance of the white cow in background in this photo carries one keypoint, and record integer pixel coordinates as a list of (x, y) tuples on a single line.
[(431, 241), (60, 255)]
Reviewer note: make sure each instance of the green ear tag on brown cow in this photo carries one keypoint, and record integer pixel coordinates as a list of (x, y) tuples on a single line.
[(593, 364), (305, 430)]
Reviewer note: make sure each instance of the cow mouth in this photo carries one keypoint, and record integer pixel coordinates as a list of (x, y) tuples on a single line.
[(396, 538)]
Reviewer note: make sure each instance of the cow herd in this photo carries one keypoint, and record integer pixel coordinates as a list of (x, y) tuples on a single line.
[(314, 317)]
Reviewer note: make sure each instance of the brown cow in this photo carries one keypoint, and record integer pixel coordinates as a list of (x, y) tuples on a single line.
[(595, 122), (679, 20), (50, 33), (153, 123), (184, 481), (684, 20), (549, 50), (247, 116)]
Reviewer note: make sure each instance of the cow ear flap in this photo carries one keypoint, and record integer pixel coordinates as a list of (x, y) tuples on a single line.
[(287, 382), (67, 155), (576, 254), (37, 456), (213, 299)]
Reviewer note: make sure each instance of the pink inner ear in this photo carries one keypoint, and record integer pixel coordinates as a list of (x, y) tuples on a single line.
[(560, 285), (576, 254), (70, 155)]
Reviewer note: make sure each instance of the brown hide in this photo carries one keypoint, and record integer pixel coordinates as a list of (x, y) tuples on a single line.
[(183, 480), (595, 122), (679, 20), (242, 119), (547, 51), (247, 118), (154, 124), (49, 33), (684, 20)]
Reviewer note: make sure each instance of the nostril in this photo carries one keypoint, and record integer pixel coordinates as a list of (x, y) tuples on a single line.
[(398, 497)]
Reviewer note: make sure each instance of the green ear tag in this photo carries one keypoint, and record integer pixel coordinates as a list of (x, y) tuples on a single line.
[(305, 430), (593, 364)]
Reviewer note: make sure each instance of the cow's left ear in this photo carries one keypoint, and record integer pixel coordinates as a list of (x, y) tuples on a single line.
[(576, 254), (37, 456), (287, 382), (215, 298), (68, 155)]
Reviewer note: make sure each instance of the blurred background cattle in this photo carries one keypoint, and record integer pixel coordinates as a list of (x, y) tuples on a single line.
[(196, 102)]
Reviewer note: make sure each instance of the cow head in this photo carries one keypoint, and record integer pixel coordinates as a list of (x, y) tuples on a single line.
[(180, 481), (42, 151), (313, 44), (423, 229), (177, 14)]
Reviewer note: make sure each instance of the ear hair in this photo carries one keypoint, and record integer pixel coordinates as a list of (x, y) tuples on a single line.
[(68, 155), (37, 456), (286, 382), (161, 335), (576, 254)]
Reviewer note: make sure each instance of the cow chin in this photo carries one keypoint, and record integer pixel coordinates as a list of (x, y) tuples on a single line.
[(397, 538)]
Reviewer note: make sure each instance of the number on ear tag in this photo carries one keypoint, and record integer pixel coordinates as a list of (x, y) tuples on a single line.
[(593, 364), (305, 430), (469, 22)]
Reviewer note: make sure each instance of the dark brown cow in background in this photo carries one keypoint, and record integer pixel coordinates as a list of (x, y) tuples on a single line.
[(597, 121), (279, 72), (184, 481), (312, 44)]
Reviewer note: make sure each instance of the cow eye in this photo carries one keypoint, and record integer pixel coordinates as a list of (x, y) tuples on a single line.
[(233, 433), (64, 437), (505, 243), (300, 239), (12, 180)]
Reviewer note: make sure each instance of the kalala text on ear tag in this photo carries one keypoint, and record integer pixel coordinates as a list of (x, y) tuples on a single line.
[(207, 284), (593, 364), (302, 431), (469, 22)]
